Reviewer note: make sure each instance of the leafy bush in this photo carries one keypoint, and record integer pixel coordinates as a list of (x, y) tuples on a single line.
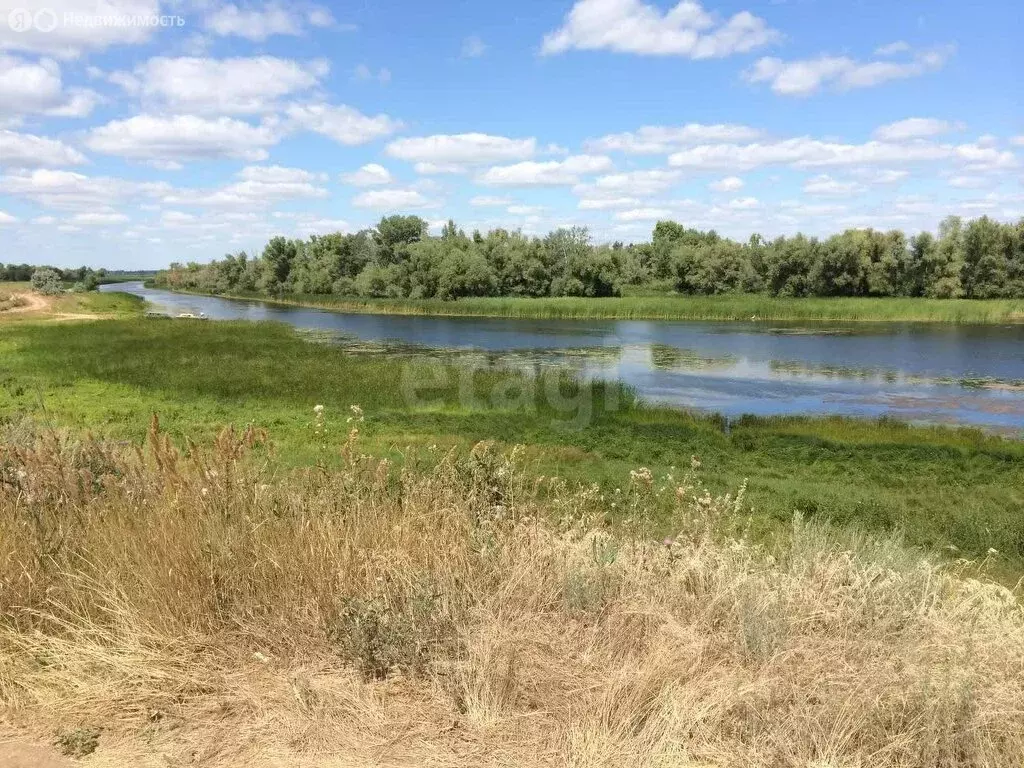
[(47, 282)]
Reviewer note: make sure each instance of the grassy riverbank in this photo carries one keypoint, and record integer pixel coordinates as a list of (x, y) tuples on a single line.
[(375, 585), (674, 307), (19, 303), (942, 487)]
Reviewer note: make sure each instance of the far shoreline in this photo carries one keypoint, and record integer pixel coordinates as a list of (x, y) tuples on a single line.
[(720, 308)]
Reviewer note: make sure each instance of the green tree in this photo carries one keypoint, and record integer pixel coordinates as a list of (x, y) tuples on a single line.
[(841, 266), (278, 256), (940, 274), (395, 233), (715, 267), (464, 272), (1013, 247), (788, 264), (47, 282), (379, 281), (984, 274)]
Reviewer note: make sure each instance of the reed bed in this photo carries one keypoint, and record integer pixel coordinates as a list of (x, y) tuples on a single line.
[(739, 307)]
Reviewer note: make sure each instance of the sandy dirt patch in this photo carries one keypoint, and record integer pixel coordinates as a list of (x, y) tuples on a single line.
[(35, 303), (16, 753)]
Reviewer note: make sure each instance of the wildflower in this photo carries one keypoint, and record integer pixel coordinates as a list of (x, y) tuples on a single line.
[(694, 462), (992, 551), (357, 413), (668, 542), (642, 475), (318, 410)]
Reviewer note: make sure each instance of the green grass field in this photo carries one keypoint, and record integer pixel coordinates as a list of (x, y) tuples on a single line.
[(942, 487), (674, 307)]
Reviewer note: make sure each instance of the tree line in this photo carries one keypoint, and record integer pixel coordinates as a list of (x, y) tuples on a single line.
[(83, 278), (981, 258)]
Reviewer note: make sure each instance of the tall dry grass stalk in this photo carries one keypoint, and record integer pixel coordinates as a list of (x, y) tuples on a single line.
[(202, 607)]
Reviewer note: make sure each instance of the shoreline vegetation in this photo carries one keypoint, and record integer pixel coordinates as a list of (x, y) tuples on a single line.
[(953, 490), (859, 274), (724, 308)]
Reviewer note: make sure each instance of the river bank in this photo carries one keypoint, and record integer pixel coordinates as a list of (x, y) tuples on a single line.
[(740, 307), (918, 372), (940, 486)]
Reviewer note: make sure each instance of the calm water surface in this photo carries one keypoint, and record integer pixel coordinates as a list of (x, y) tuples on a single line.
[(916, 372)]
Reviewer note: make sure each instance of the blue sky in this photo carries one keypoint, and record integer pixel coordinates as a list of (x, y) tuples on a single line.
[(138, 132)]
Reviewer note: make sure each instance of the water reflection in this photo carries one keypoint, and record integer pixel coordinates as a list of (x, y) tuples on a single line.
[(916, 372)]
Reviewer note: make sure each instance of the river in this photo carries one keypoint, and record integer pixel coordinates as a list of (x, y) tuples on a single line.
[(928, 373)]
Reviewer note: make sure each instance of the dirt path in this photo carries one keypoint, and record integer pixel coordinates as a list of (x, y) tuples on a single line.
[(45, 304), (15, 753), (36, 303)]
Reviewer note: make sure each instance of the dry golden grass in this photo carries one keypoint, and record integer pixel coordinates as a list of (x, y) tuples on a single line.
[(202, 608)]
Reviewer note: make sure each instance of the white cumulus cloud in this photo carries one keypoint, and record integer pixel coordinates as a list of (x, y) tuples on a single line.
[(370, 175), (891, 49), (461, 149), (805, 152), (257, 186), (99, 218), (632, 26), (36, 88), (193, 85), (662, 139), (807, 76), (71, 190), (728, 184), (824, 185), (345, 124), (607, 203), (392, 199), (643, 214), (628, 184), (915, 128), (25, 150), (169, 141), (257, 23), (549, 173), (486, 201)]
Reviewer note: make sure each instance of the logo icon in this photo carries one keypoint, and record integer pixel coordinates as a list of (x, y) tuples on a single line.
[(20, 20), (45, 20)]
